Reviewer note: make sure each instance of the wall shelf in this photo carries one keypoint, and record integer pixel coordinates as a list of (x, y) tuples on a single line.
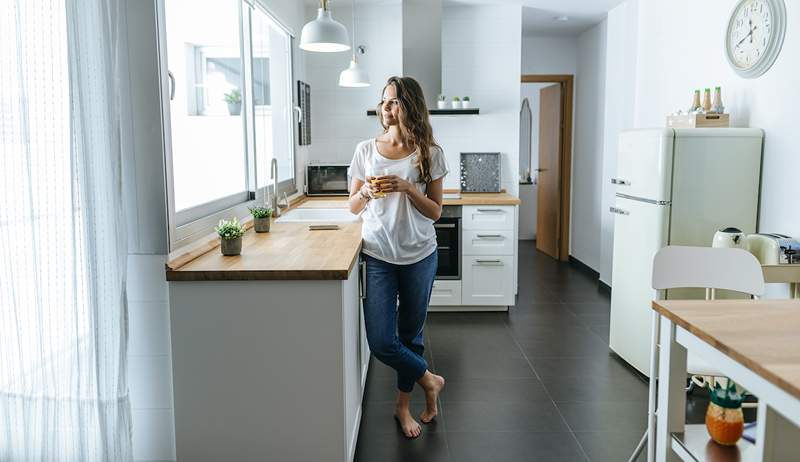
[(468, 111)]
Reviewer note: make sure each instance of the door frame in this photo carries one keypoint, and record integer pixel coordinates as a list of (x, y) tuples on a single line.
[(566, 81)]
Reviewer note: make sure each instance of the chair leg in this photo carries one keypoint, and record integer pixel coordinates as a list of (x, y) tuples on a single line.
[(639, 448)]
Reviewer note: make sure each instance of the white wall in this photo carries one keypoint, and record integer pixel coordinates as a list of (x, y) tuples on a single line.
[(480, 58), (149, 350), (587, 151), (618, 115), (669, 64)]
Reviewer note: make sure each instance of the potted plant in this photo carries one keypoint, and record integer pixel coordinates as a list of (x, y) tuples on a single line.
[(465, 102), (234, 100), (724, 418), (230, 234), (261, 216), (456, 103), (441, 103)]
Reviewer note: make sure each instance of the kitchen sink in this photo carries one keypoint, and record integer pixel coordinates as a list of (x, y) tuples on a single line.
[(313, 215)]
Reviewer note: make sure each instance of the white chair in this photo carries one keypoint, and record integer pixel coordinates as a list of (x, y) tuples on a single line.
[(677, 267)]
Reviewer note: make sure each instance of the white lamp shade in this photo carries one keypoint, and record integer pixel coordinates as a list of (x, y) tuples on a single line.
[(324, 34), (354, 76)]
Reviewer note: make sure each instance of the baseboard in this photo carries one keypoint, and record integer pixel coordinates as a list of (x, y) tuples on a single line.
[(583, 267)]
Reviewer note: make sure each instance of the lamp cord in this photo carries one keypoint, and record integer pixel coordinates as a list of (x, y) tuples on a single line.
[(354, 30)]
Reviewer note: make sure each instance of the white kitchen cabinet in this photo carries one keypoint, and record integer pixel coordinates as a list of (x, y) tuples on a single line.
[(488, 217), (446, 293), (488, 280), (488, 242)]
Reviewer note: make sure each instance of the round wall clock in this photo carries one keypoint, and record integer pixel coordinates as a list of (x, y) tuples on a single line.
[(755, 36)]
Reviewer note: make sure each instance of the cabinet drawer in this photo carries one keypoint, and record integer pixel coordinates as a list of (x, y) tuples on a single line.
[(446, 292), (494, 217), (488, 280), (488, 242)]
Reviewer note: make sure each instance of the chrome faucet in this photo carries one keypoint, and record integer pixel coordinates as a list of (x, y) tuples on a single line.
[(273, 175)]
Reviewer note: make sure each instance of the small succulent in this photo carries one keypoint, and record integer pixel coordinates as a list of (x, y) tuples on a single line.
[(728, 397), (260, 212), (456, 98), (442, 98), (230, 229), (234, 96), (466, 98)]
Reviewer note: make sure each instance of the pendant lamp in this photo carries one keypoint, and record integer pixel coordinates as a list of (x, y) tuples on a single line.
[(324, 34), (354, 75)]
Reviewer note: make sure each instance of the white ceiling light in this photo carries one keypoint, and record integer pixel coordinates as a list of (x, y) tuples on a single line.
[(354, 75), (324, 34)]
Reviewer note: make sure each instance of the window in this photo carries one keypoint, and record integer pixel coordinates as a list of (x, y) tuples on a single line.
[(228, 101)]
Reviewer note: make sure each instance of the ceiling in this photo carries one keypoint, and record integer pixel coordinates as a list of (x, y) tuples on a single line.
[(537, 15)]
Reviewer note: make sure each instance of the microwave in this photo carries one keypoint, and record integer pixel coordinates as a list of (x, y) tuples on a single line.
[(327, 180)]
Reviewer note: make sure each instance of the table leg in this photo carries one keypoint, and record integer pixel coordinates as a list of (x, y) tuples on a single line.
[(671, 392), (776, 437)]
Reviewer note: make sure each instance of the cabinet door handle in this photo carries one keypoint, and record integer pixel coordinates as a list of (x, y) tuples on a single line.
[(620, 181), (363, 285), (486, 236), (618, 211), (171, 85), (490, 210), (489, 262)]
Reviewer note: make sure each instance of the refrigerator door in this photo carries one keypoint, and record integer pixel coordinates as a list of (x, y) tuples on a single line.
[(640, 230), (644, 163)]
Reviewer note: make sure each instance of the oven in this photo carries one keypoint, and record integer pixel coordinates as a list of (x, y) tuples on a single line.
[(448, 241), (327, 180)]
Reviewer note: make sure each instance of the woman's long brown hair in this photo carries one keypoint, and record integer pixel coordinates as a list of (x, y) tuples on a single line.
[(414, 123)]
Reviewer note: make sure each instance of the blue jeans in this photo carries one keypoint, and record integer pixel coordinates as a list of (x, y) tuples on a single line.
[(394, 331)]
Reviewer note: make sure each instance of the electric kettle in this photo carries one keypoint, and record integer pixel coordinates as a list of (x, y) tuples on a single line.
[(729, 237)]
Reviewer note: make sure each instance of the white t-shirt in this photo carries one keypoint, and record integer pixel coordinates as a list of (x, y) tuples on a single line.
[(394, 230)]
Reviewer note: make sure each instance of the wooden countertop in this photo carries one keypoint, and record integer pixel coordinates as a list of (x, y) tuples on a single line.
[(763, 335), (291, 252)]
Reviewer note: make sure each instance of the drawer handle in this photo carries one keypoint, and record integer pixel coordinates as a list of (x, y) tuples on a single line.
[(490, 210), (486, 236), (490, 262), (444, 225), (620, 181)]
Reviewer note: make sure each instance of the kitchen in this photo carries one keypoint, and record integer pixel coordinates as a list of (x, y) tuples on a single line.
[(266, 353)]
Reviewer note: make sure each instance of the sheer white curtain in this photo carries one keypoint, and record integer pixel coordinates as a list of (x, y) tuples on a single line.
[(63, 314)]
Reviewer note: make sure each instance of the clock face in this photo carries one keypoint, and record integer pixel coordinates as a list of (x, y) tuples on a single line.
[(750, 32), (755, 35)]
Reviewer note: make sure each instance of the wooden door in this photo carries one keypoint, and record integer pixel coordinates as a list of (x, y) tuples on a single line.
[(548, 190)]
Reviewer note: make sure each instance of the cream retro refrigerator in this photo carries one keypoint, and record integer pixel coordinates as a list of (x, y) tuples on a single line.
[(673, 187)]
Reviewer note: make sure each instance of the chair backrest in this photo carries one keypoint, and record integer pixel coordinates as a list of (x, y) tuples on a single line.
[(708, 268)]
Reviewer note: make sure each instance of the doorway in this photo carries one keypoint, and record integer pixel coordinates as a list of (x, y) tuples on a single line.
[(550, 97)]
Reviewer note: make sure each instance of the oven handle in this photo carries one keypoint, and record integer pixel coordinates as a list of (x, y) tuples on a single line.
[(443, 247), (444, 225)]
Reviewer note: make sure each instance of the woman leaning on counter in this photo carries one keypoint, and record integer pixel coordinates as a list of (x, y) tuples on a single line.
[(397, 181)]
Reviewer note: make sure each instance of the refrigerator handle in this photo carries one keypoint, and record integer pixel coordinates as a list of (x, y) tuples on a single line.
[(618, 211), (620, 181)]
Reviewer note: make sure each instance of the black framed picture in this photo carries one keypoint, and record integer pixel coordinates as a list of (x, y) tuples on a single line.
[(304, 123)]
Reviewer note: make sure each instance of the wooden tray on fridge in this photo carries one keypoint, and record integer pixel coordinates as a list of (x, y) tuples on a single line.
[(698, 120)]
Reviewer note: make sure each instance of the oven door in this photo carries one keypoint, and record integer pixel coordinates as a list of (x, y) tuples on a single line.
[(327, 180), (448, 240)]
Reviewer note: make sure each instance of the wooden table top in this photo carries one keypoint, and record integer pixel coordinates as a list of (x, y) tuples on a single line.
[(762, 335)]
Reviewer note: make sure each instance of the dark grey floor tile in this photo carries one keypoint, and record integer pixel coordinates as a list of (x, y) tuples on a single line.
[(504, 347), (514, 447), (494, 390), (378, 418), (610, 446), (380, 390), (482, 416), (482, 366), (602, 331), (597, 388), (428, 447), (592, 416), (567, 345), (583, 366)]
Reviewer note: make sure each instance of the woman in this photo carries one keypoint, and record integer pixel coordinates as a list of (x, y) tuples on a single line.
[(397, 182)]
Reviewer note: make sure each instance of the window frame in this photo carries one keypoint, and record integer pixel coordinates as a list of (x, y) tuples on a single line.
[(197, 222)]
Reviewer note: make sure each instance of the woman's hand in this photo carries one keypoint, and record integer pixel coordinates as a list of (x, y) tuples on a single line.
[(367, 189), (393, 183)]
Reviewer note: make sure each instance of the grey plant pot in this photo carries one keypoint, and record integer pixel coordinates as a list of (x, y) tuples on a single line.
[(235, 108), (231, 247), (261, 225)]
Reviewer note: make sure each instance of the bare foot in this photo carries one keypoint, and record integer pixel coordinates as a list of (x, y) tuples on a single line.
[(432, 385), (410, 426)]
